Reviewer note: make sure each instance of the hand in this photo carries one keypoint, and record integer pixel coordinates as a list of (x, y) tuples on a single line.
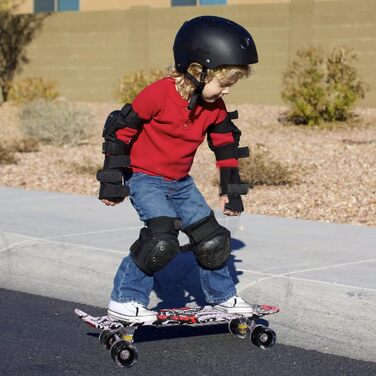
[(111, 203), (223, 200)]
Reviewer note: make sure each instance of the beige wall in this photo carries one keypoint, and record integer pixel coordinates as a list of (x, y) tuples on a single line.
[(88, 52), (242, 2), (25, 7), (125, 4), (95, 5), (87, 5)]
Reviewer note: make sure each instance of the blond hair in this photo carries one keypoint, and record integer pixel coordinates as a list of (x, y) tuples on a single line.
[(226, 74)]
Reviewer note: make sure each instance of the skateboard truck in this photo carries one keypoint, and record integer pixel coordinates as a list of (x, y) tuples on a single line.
[(260, 335), (119, 344)]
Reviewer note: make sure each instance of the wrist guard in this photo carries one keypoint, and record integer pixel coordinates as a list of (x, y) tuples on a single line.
[(233, 187)]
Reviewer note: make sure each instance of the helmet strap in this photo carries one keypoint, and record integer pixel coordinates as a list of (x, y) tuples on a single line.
[(199, 87)]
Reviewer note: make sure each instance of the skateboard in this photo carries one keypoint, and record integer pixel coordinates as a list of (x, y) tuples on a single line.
[(117, 336)]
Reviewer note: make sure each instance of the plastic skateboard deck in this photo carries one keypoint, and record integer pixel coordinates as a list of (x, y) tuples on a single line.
[(117, 335), (177, 316)]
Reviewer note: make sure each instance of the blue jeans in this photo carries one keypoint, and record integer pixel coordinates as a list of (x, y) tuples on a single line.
[(153, 196)]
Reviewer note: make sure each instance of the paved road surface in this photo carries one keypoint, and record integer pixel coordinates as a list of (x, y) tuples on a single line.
[(42, 337)]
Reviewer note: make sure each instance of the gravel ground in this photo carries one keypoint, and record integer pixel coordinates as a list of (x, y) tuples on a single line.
[(336, 167)]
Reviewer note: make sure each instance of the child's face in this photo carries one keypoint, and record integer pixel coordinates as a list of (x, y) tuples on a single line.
[(215, 89)]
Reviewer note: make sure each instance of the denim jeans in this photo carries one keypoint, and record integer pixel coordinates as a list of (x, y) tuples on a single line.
[(154, 196)]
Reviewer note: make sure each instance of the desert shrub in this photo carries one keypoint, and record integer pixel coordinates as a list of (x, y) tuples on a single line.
[(32, 88), (322, 86), (26, 145), (7, 154), (9, 149), (57, 122), (132, 83), (85, 167), (261, 169)]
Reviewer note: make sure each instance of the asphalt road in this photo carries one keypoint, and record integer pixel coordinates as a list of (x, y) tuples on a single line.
[(41, 336)]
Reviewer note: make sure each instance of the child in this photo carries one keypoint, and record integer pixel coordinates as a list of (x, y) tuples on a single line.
[(150, 146)]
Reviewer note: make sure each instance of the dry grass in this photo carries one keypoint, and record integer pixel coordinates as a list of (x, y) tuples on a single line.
[(7, 154), (261, 169), (335, 168)]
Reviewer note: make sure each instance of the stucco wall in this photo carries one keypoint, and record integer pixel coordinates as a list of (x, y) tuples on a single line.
[(89, 5)]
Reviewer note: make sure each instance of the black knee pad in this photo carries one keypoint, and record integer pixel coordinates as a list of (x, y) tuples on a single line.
[(157, 245), (211, 242)]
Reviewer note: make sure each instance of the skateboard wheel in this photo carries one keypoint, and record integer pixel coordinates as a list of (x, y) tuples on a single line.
[(239, 328), (124, 354), (107, 338), (263, 337)]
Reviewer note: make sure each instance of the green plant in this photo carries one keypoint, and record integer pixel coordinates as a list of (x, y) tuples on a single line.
[(261, 169), (58, 122), (322, 86), (132, 83), (16, 32), (32, 88)]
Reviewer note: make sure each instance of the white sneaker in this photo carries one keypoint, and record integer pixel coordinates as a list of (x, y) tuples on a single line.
[(131, 312), (234, 305)]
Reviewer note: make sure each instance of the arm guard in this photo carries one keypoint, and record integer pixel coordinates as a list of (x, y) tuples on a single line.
[(230, 183), (116, 154)]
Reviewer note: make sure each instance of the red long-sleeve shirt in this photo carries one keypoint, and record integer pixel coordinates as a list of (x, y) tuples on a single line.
[(171, 134)]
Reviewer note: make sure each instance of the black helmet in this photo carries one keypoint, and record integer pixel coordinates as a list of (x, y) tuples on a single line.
[(213, 41)]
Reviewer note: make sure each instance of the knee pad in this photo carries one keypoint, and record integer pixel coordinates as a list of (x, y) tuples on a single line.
[(211, 242), (157, 244)]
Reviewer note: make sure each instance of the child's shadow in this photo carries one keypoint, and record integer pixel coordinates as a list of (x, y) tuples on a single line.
[(178, 283)]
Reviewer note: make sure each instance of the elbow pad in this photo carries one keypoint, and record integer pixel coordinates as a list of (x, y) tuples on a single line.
[(231, 150)]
